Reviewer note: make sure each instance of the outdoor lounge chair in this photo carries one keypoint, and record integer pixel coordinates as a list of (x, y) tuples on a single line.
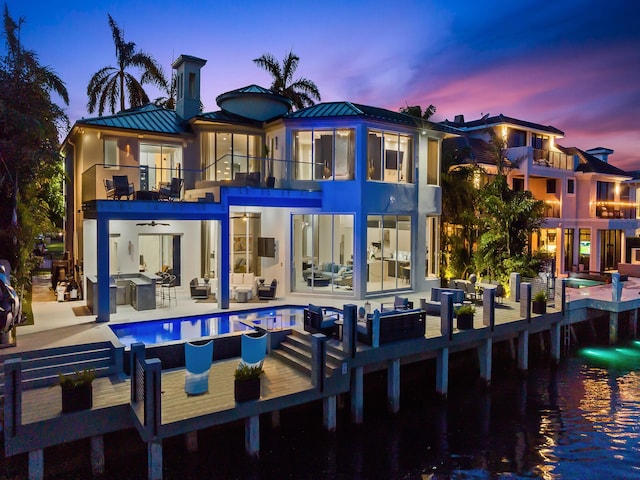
[(174, 190), (109, 188), (253, 348), (198, 360), (317, 320), (399, 303), (122, 187), (266, 292)]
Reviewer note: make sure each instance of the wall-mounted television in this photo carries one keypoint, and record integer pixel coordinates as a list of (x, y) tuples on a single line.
[(585, 247), (266, 247), (391, 159)]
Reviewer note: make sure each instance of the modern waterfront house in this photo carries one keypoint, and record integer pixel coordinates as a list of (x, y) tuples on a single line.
[(336, 199), (590, 205)]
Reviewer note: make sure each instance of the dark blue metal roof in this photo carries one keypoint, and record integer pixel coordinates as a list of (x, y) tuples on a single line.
[(148, 118)]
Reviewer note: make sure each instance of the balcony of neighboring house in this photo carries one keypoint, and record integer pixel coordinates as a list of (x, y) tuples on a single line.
[(615, 210), (551, 159)]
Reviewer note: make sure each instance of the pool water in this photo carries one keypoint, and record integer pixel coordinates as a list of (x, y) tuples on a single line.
[(154, 332), (582, 283)]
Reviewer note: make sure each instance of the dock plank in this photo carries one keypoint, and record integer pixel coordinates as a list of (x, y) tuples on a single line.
[(278, 380)]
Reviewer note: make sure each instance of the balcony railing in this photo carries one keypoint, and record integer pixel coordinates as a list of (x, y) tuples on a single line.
[(547, 158), (620, 210)]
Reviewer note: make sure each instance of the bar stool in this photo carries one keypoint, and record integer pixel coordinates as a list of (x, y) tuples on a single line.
[(168, 285)]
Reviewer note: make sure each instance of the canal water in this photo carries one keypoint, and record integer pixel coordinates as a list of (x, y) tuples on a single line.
[(579, 421)]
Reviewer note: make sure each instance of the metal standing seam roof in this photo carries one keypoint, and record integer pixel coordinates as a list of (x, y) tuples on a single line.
[(148, 118), (348, 109), (498, 119)]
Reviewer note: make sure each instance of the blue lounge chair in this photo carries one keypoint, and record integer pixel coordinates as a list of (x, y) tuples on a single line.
[(197, 363), (253, 348)]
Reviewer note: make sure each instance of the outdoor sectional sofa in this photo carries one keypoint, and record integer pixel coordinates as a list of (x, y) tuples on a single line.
[(395, 325), (433, 306)]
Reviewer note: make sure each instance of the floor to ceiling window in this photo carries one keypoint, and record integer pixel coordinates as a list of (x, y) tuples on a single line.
[(584, 248), (324, 154), (390, 157), (322, 253), (610, 249), (245, 230), (159, 164), (388, 253), (568, 249), (161, 253), (226, 154)]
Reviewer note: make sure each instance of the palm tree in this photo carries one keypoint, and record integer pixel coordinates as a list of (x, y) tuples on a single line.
[(301, 92), (109, 84), (169, 101)]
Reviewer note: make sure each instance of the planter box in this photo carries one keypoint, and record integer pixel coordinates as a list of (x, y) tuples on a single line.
[(79, 398), (244, 390), (465, 321), (539, 307)]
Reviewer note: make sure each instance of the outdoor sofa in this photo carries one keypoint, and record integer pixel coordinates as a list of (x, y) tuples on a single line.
[(395, 325), (433, 306)]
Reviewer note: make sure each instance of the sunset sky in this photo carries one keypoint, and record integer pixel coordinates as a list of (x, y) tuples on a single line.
[(573, 64)]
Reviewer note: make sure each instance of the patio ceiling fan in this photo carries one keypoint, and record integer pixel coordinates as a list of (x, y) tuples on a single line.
[(152, 223)]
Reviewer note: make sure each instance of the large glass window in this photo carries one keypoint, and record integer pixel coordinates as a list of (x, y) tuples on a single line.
[(111, 155), (324, 154), (389, 157), (516, 138), (161, 253), (568, 249), (388, 253), (610, 249), (229, 153), (245, 230), (159, 164), (323, 254), (584, 248)]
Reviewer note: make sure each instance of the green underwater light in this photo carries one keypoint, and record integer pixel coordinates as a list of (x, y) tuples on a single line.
[(622, 356)]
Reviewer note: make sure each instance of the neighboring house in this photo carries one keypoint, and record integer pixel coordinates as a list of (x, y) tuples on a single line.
[(590, 204), (337, 199)]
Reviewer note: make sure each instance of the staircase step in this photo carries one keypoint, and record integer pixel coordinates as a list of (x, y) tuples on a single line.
[(292, 360)]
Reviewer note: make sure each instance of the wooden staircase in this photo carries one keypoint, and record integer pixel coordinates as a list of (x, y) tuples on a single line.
[(296, 351)]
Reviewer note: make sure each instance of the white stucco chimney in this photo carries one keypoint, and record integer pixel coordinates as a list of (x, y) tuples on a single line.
[(188, 85), (601, 153)]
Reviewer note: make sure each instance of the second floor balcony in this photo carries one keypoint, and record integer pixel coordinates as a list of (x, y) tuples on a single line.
[(619, 210), (551, 159)]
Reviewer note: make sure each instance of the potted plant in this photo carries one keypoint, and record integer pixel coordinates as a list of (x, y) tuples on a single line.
[(246, 384), (539, 302), (77, 390), (465, 316)]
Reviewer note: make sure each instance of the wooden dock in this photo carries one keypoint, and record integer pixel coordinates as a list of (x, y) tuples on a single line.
[(154, 400)]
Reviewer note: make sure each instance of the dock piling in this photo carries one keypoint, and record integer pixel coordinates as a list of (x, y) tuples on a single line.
[(523, 351), (484, 356), (357, 395), (252, 435), (329, 413), (36, 464), (154, 459), (97, 455), (393, 385), (442, 371)]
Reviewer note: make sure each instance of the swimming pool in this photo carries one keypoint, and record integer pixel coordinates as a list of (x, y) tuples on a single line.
[(582, 283), (154, 332)]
